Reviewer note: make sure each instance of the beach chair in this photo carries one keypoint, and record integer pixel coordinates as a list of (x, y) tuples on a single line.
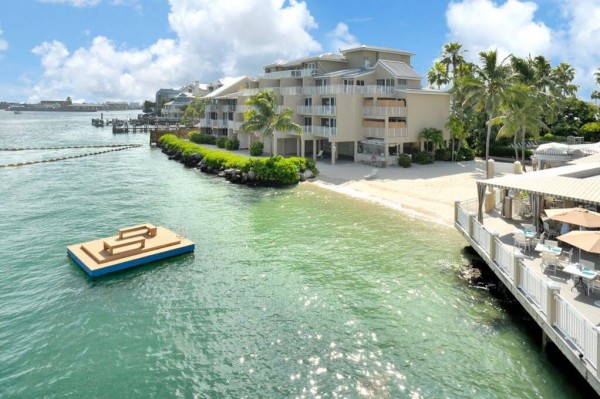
[(521, 241), (320, 154)]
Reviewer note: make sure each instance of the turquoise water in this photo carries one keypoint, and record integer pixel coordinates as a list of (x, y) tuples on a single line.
[(297, 292)]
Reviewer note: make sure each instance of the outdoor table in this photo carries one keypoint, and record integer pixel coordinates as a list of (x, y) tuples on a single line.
[(548, 248), (526, 233), (582, 273)]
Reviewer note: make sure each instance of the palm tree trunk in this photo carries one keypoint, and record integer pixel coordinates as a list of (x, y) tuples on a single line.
[(487, 137), (523, 150), (452, 149), (516, 146)]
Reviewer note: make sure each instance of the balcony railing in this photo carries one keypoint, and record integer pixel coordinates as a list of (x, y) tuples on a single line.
[(319, 131), (218, 123), (317, 90), (381, 132), (234, 125), (229, 108), (384, 111), (294, 73), (316, 110)]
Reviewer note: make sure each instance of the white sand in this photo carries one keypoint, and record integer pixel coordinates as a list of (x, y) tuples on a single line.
[(423, 191)]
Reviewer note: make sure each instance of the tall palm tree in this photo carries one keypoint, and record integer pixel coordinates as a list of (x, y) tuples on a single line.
[(263, 116), (561, 77), (452, 56), (597, 75), (433, 136), (487, 90), (522, 113), (437, 75)]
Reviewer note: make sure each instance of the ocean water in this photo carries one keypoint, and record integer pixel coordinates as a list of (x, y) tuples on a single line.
[(295, 292)]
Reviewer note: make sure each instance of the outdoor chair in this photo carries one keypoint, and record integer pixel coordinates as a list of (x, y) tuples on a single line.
[(320, 154), (540, 239), (551, 231), (566, 257), (595, 283), (551, 243), (549, 259), (521, 241)]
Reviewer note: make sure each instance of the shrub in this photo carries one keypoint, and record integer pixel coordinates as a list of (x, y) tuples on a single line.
[(508, 152), (256, 149), (591, 131), (232, 144), (221, 141), (465, 154), (443, 154), (423, 158), (274, 170), (200, 138), (404, 160)]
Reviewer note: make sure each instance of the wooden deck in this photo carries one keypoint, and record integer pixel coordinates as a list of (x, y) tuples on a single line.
[(132, 246), (575, 296)]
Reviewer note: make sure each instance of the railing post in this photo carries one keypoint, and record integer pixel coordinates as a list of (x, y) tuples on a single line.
[(553, 289), (517, 259), (456, 205), (493, 236), (597, 351), (471, 218)]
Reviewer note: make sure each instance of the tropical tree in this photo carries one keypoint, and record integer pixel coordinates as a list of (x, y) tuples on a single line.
[(486, 90), (194, 111), (522, 113), (561, 77), (437, 75), (148, 107), (452, 56), (458, 131), (433, 136), (597, 75), (263, 117)]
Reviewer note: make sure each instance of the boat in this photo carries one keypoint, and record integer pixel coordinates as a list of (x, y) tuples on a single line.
[(132, 246), (18, 112)]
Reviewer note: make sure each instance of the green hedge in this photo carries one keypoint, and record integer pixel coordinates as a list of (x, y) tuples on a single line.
[(404, 160), (277, 170), (423, 158), (200, 138), (221, 141), (232, 144), (256, 149), (508, 152)]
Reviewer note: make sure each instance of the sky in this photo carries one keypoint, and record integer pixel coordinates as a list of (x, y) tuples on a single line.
[(125, 50)]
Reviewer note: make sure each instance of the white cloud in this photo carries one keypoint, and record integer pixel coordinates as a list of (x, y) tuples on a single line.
[(3, 43), (340, 38), (214, 38), (482, 25), (511, 27)]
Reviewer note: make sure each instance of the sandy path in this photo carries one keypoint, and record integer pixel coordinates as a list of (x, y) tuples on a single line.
[(424, 191)]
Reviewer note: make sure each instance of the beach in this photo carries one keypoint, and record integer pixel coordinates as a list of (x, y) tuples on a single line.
[(422, 191)]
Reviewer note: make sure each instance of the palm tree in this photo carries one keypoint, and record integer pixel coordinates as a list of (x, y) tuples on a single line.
[(561, 77), (522, 113), (452, 56), (433, 136), (486, 91), (438, 75), (597, 75), (263, 116)]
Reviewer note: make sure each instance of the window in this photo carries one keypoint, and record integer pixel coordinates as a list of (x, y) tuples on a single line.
[(385, 82), (396, 119), (360, 82), (328, 101), (328, 122), (348, 82), (307, 121), (308, 101), (230, 116), (402, 82)]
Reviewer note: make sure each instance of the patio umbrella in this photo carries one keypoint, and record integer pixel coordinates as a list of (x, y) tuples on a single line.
[(579, 216), (589, 241)]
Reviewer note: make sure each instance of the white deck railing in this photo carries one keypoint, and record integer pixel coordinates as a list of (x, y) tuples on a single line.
[(462, 217), (533, 287), (577, 330), (504, 258), (384, 111)]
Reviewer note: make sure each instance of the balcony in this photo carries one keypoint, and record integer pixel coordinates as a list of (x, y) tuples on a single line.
[(319, 131), (229, 108), (318, 90), (294, 73), (316, 110), (234, 125), (216, 123), (382, 133), (384, 111)]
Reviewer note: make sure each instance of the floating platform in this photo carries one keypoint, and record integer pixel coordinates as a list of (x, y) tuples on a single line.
[(133, 246)]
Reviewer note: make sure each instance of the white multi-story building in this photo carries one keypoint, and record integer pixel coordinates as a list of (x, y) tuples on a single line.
[(364, 97)]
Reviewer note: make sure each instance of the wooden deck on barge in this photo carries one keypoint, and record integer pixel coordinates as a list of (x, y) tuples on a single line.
[(132, 246)]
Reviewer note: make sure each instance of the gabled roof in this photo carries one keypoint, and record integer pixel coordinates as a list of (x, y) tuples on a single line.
[(230, 86), (299, 61), (399, 69), (341, 72), (375, 48)]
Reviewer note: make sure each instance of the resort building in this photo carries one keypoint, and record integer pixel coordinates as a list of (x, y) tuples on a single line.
[(174, 107), (366, 103), (538, 232)]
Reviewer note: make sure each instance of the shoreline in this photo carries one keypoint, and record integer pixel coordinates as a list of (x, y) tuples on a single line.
[(425, 192)]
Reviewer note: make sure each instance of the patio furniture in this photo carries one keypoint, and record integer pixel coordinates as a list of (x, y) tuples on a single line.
[(581, 273), (548, 248), (550, 231), (566, 257), (521, 241), (320, 154), (551, 243), (535, 241), (549, 259)]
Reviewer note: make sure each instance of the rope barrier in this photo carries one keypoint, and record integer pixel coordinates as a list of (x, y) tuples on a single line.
[(113, 147)]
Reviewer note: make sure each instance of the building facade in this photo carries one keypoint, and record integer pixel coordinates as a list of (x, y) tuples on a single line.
[(364, 104)]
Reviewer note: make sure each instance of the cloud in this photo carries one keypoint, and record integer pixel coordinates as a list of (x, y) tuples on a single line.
[(511, 27), (213, 39), (482, 25), (3, 43), (340, 38)]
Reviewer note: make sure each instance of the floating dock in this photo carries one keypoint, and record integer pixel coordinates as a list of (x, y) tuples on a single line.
[(133, 246)]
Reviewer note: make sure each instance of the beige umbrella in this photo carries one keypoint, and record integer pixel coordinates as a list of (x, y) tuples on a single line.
[(578, 216), (589, 241)]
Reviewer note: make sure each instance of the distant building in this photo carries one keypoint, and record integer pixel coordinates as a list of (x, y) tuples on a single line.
[(116, 106), (165, 95), (173, 108), (54, 104)]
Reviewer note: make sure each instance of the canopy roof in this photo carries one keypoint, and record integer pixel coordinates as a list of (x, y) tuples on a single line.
[(574, 182)]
